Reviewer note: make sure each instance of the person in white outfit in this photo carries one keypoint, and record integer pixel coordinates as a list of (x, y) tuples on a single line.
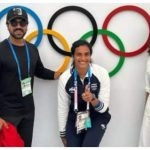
[(144, 140)]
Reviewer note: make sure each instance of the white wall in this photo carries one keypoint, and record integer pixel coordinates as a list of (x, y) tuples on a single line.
[(127, 86)]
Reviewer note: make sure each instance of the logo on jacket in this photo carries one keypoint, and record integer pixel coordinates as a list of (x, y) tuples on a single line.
[(103, 126), (94, 86), (71, 90)]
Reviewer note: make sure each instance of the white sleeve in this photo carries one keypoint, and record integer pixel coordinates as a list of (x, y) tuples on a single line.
[(147, 77), (63, 106), (104, 94)]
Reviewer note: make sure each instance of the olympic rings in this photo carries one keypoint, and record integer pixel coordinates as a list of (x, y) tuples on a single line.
[(104, 32), (71, 8), (33, 14), (61, 39), (119, 42), (105, 25)]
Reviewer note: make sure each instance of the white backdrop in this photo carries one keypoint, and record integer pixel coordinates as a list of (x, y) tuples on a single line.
[(127, 86)]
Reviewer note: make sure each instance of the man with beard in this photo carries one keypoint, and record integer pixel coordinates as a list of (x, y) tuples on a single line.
[(19, 63)]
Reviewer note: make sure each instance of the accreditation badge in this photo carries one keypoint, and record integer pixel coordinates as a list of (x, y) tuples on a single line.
[(83, 121), (26, 87)]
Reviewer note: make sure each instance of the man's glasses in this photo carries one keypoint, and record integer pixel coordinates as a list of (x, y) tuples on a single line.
[(15, 22)]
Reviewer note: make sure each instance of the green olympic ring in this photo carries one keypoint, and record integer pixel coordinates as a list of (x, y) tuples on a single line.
[(117, 40)]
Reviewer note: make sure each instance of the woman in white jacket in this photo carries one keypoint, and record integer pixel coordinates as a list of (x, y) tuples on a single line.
[(83, 100)]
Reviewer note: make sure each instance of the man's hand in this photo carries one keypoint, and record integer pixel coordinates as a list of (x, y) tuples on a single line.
[(64, 141), (56, 75), (3, 123)]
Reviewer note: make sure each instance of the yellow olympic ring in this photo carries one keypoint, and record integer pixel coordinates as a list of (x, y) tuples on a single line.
[(61, 39)]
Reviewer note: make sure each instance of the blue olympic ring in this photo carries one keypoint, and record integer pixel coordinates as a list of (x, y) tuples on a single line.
[(34, 15)]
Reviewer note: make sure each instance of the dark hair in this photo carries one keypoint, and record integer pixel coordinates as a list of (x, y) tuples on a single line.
[(148, 51), (80, 43), (148, 46)]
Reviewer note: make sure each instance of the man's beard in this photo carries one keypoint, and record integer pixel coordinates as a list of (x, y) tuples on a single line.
[(18, 36)]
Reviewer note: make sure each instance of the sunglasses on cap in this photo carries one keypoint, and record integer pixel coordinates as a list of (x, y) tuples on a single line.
[(15, 22)]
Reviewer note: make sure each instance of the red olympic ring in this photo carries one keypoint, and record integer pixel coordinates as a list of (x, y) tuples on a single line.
[(107, 20)]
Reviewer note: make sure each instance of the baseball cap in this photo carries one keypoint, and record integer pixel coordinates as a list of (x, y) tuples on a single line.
[(16, 12)]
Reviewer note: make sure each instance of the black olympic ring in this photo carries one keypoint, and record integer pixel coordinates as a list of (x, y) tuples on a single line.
[(71, 8)]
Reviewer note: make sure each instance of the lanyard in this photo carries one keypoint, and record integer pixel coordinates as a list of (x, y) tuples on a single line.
[(16, 59), (76, 88)]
